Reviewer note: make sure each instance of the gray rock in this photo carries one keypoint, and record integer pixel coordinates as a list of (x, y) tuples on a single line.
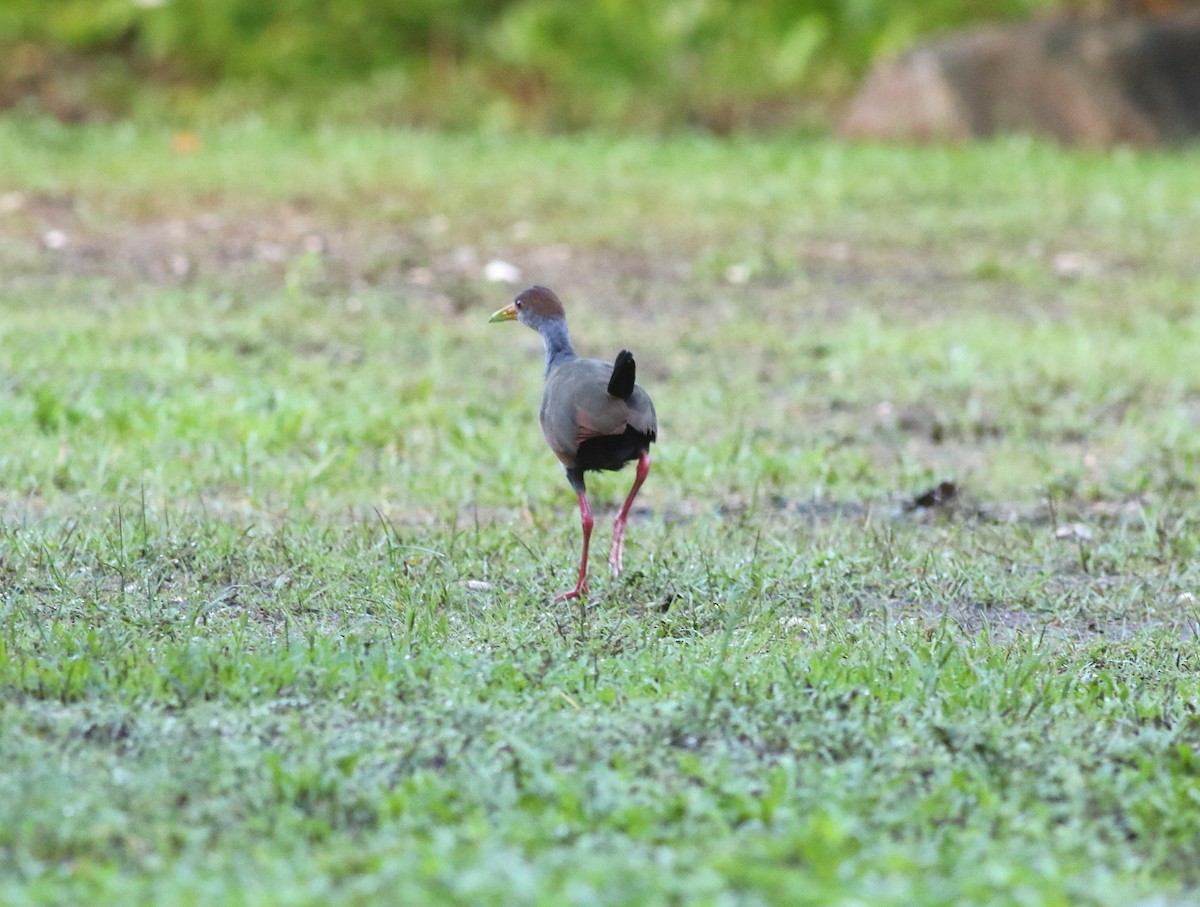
[(1126, 80)]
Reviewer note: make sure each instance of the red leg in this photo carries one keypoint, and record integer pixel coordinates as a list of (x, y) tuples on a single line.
[(585, 518), (618, 539)]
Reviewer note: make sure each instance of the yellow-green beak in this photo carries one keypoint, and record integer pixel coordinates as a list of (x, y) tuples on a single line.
[(508, 313)]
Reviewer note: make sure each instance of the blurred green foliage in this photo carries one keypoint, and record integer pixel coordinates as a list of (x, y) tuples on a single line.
[(547, 63)]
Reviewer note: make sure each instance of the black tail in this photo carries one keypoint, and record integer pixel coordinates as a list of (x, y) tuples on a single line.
[(620, 385)]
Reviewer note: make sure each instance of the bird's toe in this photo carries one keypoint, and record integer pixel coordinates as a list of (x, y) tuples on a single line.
[(581, 589)]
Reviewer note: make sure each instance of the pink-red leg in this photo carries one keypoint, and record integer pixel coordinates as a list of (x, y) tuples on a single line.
[(585, 519), (618, 539)]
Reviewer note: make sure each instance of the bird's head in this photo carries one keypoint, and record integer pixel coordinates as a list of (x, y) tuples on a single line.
[(533, 308)]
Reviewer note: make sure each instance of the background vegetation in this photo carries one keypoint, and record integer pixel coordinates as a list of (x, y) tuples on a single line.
[(553, 64)]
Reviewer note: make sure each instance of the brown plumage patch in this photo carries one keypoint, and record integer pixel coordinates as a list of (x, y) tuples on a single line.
[(541, 301)]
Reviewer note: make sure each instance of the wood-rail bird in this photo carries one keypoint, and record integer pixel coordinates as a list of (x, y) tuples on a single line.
[(594, 415)]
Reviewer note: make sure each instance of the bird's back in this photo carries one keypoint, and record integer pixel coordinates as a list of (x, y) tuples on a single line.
[(583, 421)]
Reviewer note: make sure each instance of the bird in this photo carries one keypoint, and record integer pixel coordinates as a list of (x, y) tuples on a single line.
[(594, 415)]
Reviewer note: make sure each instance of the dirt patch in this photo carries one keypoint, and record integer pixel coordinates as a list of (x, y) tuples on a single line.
[(817, 280)]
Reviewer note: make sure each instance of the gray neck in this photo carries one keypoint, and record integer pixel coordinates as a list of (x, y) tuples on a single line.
[(558, 343)]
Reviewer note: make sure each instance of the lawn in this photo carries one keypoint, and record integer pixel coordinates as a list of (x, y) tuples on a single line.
[(279, 531)]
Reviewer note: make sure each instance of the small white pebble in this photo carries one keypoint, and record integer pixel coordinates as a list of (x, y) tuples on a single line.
[(271, 251), (54, 239), (1075, 264), (478, 585), (737, 273), (499, 271), (1073, 531), (838, 251)]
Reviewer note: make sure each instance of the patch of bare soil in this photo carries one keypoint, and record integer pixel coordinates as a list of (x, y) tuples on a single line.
[(44, 236)]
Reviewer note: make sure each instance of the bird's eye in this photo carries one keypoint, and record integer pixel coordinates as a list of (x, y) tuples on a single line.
[(518, 303)]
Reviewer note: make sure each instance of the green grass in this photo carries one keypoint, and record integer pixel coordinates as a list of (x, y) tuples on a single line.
[(279, 531)]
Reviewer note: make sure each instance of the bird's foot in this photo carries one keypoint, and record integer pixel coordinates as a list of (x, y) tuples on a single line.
[(580, 589)]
